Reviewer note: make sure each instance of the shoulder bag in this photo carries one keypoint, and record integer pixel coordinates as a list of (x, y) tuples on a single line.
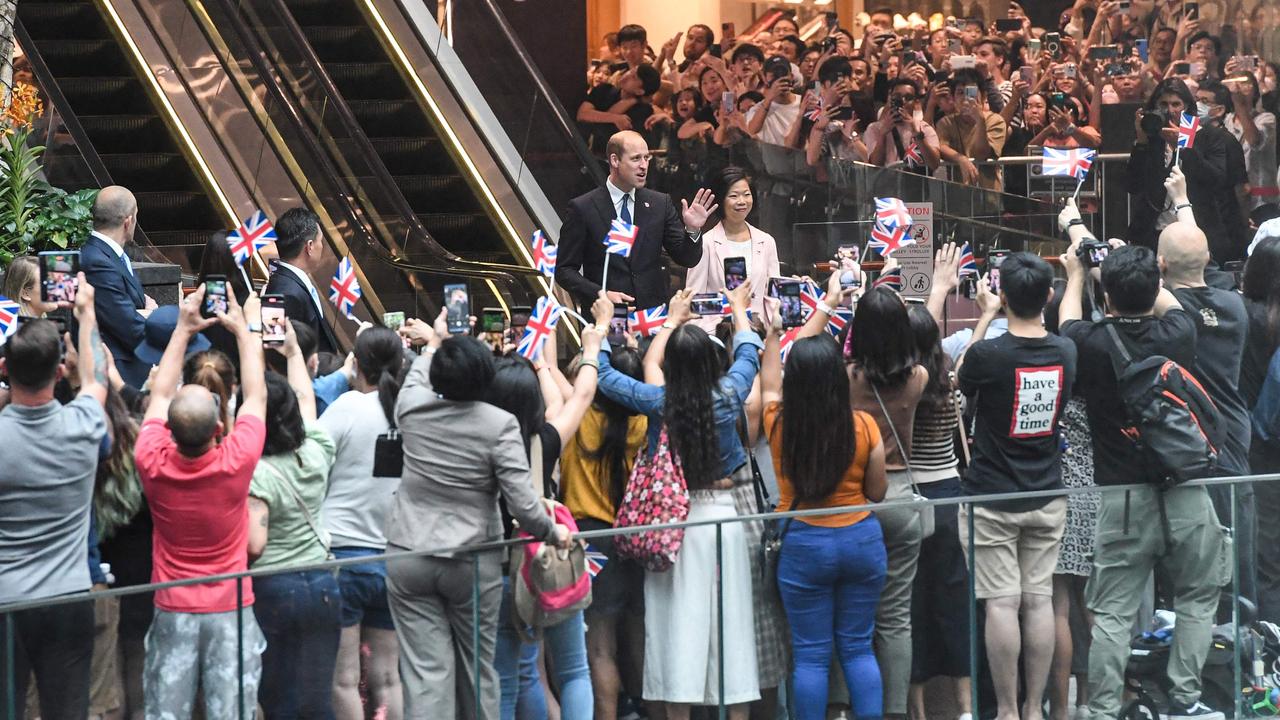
[(316, 530), (656, 495)]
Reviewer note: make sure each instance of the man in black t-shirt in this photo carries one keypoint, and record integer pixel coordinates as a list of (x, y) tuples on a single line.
[(626, 106), (1139, 529), (1020, 382)]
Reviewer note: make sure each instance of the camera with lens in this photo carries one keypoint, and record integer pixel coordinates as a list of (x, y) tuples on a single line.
[(778, 68), (1092, 252), (1153, 121)]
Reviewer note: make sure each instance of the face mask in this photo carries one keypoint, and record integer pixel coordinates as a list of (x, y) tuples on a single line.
[(1202, 110)]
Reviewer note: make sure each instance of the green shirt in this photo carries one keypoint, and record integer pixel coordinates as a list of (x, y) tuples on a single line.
[(290, 539)]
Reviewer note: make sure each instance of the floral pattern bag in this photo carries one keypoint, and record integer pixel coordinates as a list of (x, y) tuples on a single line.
[(656, 495)]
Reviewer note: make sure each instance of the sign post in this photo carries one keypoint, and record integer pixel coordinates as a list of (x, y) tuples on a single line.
[(917, 260)]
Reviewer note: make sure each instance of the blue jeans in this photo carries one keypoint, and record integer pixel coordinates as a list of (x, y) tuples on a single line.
[(517, 665), (830, 581), (299, 614)]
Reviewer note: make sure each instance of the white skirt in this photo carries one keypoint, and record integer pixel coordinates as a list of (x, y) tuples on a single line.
[(681, 653)]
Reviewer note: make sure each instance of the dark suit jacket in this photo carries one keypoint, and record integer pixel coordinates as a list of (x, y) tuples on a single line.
[(580, 259), (299, 306), (117, 298)]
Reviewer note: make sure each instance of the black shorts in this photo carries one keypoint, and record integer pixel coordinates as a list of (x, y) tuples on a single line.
[(620, 585)]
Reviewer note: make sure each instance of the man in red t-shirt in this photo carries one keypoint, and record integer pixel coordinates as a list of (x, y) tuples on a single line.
[(197, 485)]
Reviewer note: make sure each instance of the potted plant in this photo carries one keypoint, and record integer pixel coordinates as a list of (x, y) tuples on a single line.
[(34, 215)]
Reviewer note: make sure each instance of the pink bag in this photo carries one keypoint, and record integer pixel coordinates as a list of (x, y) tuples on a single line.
[(656, 494), (549, 584)]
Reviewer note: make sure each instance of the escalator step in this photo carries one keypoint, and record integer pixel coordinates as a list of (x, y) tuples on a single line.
[(150, 171), (409, 156), (344, 43), (386, 118), (62, 20), (109, 95), (174, 209), (436, 193), (462, 231), (78, 58), (325, 12), (366, 81), (126, 133)]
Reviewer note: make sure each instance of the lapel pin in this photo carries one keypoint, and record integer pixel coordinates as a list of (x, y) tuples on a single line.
[(646, 204)]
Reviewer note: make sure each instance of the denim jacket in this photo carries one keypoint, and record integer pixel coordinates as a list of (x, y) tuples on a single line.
[(732, 392), (1266, 412)]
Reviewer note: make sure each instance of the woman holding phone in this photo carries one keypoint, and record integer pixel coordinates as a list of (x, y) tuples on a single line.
[(734, 241), (22, 285)]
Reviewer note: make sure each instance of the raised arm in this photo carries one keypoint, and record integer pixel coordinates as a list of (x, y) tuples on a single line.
[(170, 370), (1175, 187), (299, 378), (568, 418), (678, 313), (946, 276), (94, 364), (771, 361), (546, 368), (253, 367)]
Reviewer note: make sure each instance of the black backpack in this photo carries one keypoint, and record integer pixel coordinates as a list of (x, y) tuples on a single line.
[(1172, 420)]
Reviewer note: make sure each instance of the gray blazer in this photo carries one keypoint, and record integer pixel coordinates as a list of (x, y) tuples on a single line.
[(457, 457)]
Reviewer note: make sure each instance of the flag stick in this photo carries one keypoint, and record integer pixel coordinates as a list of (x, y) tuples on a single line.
[(247, 284), (1079, 184), (574, 315), (1177, 156), (604, 277)]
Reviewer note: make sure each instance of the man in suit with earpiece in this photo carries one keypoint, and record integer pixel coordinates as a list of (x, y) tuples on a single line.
[(638, 280), (119, 301), (301, 248)]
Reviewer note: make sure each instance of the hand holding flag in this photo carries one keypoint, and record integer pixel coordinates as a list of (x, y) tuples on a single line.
[(1068, 162)]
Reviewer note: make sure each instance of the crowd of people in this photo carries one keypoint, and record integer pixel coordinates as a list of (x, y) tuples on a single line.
[(149, 444)]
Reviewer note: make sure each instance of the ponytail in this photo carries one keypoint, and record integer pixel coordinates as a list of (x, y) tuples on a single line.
[(379, 358), (213, 370), (388, 391)]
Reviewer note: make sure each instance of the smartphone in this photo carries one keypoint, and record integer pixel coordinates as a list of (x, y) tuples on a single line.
[(715, 50), (971, 92), (1247, 62), (791, 308), (1059, 100), (1191, 10), (954, 47), (492, 320), (1069, 70), (1034, 45), (775, 283), (457, 303), (1028, 74), (706, 305), (215, 296), (1103, 52), (1142, 50), (1115, 69), (727, 100), (619, 326), (1005, 25), (832, 20), (1182, 68), (727, 33), (1053, 44), (393, 320), (1196, 69), (1123, 6), (735, 272), (908, 57), (994, 258), (1236, 268), (275, 325), (58, 269), (520, 315), (963, 62)]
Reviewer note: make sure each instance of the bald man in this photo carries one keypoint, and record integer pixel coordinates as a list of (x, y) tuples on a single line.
[(121, 304), (639, 280), (1222, 326), (196, 480)]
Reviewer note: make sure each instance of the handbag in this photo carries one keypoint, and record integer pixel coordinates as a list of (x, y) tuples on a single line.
[(928, 524), (656, 495), (771, 548)]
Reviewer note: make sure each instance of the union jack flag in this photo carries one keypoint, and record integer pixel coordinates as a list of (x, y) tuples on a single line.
[(1188, 126), (544, 254), (968, 266), (815, 112), (542, 325), (913, 157), (811, 295), (344, 289), (255, 233), (8, 318), (621, 238), (891, 279), (892, 213), (649, 322), (786, 341), (888, 240), (1072, 162), (596, 561)]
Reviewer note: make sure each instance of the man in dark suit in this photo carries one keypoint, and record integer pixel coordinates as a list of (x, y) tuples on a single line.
[(301, 248), (121, 305), (638, 280)]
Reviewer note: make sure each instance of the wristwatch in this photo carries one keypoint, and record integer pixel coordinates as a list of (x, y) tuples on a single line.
[(1074, 222)]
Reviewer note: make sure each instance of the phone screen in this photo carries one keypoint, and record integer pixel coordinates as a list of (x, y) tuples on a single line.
[(727, 99), (1103, 52), (393, 320), (58, 281), (457, 303), (274, 324), (1142, 49), (791, 309), (706, 305), (1181, 68), (215, 296), (994, 258), (1191, 10), (735, 272), (1008, 25), (619, 325), (774, 283)]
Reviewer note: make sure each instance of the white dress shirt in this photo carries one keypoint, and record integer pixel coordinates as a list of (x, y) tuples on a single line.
[(306, 282), (616, 195), (116, 248)]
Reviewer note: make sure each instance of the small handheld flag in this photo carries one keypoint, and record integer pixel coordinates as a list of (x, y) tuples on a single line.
[(913, 157), (815, 112), (888, 240), (544, 254), (968, 265), (786, 341), (892, 213), (621, 238), (255, 233), (596, 561), (891, 279), (8, 318), (542, 324), (649, 322), (1069, 162), (344, 289), (1188, 126)]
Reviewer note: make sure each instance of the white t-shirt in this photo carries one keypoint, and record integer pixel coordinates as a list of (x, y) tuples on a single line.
[(356, 508), (778, 122)]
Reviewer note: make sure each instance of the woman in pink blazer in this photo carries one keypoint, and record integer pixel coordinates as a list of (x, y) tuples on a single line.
[(732, 237)]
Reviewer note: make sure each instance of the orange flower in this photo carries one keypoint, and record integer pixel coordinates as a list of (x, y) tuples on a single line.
[(24, 107)]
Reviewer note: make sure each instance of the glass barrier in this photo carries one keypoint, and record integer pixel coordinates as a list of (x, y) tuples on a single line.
[(720, 560)]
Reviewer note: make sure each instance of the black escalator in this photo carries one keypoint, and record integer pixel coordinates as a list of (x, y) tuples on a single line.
[(102, 88), (398, 129)]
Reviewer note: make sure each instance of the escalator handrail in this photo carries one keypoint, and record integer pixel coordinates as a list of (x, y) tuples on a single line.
[(49, 86), (450, 264)]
